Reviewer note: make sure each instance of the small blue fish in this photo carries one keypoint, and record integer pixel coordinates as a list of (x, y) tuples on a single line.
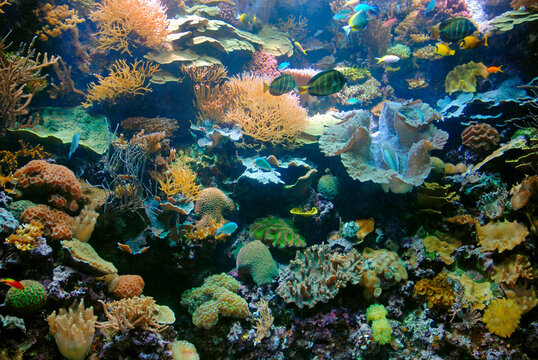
[(421, 116), (262, 163), (371, 9), (429, 7), (339, 17), (227, 229), (283, 66), (74, 145), (353, 101), (390, 158)]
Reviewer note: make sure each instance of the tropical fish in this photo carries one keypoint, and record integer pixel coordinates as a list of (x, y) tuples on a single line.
[(494, 69), (352, 2), (444, 50), (247, 19), (388, 59), (13, 283), (472, 42), (353, 101), (127, 248), (339, 17), (227, 229), (357, 22), (389, 22), (281, 85), (366, 7), (262, 163), (429, 7), (390, 158), (74, 145), (453, 29), (284, 65), (299, 47), (324, 83)]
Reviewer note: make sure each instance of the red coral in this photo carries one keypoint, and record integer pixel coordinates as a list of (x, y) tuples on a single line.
[(57, 225), (213, 202), (480, 136), (263, 64), (56, 181)]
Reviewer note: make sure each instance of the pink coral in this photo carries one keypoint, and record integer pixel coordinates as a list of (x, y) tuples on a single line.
[(263, 64)]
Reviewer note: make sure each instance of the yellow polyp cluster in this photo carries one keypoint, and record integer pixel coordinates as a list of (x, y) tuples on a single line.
[(437, 291), (26, 236)]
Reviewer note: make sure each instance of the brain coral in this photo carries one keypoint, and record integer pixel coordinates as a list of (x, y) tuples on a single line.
[(57, 224), (277, 232), (317, 274), (500, 235), (502, 317), (329, 186), (127, 286), (480, 136), (28, 300), (256, 258), (213, 202), (55, 181)]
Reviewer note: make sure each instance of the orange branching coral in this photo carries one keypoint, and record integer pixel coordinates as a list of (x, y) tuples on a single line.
[(212, 101), (206, 75), (180, 180), (124, 79), (57, 225), (501, 235), (206, 229), (502, 317), (9, 160), (437, 291), (26, 236), (407, 26), (275, 120), (513, 268), (296, 28), (5, 2), (151, 143), (128, 22), (57, 19)]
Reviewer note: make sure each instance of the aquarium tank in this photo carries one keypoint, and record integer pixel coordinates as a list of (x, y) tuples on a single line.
[(268, 179)]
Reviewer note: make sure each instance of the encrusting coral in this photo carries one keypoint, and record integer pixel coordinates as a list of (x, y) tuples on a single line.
[(57, 225)]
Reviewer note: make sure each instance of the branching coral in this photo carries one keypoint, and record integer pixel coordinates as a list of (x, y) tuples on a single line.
[(123, 79), (296, 28), (427, 53), (213, 101), (264, 322), (151, 125), (128, 22), (180, 180), (26, 236), (57, 19), (268, 119), (207, 75)]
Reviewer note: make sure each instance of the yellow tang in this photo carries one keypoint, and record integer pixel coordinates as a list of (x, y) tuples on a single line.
[(444, 50), (472, 42)]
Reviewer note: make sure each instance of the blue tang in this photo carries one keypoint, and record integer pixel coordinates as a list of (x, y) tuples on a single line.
[(429, 7)]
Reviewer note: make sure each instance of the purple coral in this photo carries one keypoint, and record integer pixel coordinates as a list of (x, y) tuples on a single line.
[(263, 64)]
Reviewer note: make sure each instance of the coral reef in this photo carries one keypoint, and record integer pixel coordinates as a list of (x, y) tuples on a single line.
[(276, 232), (480, 136), (256, 258)]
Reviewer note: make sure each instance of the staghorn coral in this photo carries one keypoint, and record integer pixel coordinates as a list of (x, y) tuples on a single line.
[(124, 23), (500, 235), (437, 291), (180, 180), (463, 77), (502, 317), (267, 119), (380, 264), (57, 19), (73, 330), (26, 236), (480, 136), (512, 268), (56, 181), (317, 274), (57, 225), (217, 296), (212, 202), (123, 80), (277, 232), (127, 314), (296, 28)]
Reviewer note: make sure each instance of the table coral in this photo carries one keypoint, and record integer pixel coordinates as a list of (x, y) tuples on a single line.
[(317, 274), (502, 317), (463, 77), (501, 235), (437, 291), (213, 202), (55, 181), (215, 297), (256, 258), (277, 232), (480, 136), (381, 264), (57, 225)]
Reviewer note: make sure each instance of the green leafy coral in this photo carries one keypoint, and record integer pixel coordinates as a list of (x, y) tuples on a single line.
[(277, 232)]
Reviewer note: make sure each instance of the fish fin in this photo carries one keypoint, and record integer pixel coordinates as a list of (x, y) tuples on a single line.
[(435, 32), (379, 60), (462, 44), (347, 29), (302, 89), (451, 52), (304, 52), (265, 87), (486, 40)]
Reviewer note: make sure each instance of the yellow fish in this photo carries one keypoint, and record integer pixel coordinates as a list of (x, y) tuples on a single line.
[(299, 46), (444, 50), (472, 42)]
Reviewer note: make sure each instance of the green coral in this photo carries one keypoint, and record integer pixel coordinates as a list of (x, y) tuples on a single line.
[(256, 258), (18, 207), (215, 297), (28, 300), (400, 50), (381, 328), (329, 186), (354, 74), (277, 232)]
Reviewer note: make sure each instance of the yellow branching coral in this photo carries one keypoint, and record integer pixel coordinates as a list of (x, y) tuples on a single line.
[(277, 120), (26, 236), (502, 317), (180, 180), (57, 19), (128, 22), (124, 79)]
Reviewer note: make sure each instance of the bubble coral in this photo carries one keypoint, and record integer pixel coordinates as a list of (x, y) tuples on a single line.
[(437, 291), (501, 235), (256, 258), (480, 136), (381, 328), (213, 202), (502, 317), (275, 231), (28, 300), (56, 181), (57, 225)]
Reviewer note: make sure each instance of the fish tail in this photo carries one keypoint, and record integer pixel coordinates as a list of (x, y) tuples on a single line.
[(451, 52), (265, 87), (302, 89), (486, 40), (435, 32), (379, 60), (500, 68), (304, 52), (347, 29)]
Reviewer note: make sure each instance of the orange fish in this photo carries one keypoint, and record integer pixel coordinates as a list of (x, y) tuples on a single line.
[(389, 22), (127, 248), (13, 283), (495, 69)]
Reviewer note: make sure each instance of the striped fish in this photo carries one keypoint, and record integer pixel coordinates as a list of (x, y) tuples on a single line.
[(325, 83), (281, 85), (454, 29)]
